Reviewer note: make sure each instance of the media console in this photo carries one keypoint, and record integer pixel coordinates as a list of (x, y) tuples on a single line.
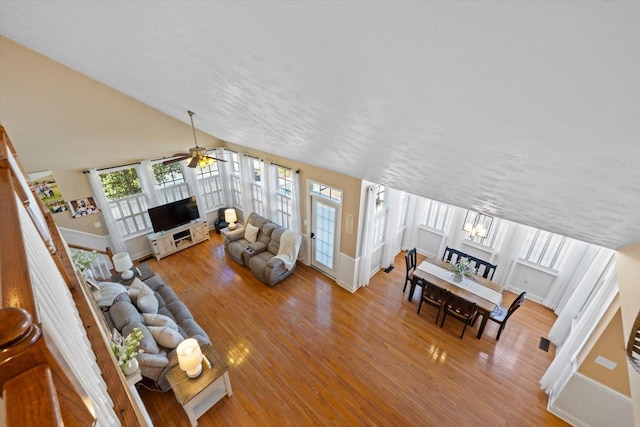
[(171, 241)]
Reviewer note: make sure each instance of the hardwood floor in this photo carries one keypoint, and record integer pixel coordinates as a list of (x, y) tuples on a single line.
[(307, 352)]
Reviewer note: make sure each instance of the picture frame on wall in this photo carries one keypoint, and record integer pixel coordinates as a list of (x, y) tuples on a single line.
[(83, 207)]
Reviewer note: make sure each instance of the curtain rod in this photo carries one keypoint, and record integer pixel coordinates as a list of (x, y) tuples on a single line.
[(113, 167), (286, 167)]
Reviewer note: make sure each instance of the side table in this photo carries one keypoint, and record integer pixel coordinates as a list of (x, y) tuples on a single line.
[(141, 271), (198, 395)]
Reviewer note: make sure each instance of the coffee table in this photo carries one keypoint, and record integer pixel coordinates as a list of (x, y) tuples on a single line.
[(198, 395)]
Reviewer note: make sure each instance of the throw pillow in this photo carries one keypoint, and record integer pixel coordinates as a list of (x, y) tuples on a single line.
[(251, 233), (151, 319), (165, 336), (147, 301), (134, 289), (108, 292)]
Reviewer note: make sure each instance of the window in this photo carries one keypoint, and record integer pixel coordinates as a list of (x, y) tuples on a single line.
[(127, 202), (284, 199), (436, 215), (236, 183), (544, 249), (170, 182), (256, 183), (324, 191), (380, 218), (404, 208), (210, 186), (380, 198)]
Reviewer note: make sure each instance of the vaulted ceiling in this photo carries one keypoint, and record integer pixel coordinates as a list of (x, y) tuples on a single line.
[(529, 111)]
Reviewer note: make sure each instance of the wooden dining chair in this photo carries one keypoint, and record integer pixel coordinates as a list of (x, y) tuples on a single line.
[(411, 260), (500, 315), (433, 295), (460, 309)]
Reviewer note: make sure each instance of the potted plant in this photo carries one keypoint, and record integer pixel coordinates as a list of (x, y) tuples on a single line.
[(461, 269), (126, 350), (82, 260)]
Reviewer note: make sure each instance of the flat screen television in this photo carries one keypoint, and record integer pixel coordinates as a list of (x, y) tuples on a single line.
[(174, 214)]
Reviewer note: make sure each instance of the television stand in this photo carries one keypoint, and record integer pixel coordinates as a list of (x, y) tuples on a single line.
[(165, 243)]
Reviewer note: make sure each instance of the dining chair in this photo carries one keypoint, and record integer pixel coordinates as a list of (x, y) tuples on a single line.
[(433, 295), (500, 314), (411, 260), (460, 309)]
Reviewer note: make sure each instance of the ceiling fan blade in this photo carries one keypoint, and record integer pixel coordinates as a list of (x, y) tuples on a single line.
[(193, 163), (175, 159)]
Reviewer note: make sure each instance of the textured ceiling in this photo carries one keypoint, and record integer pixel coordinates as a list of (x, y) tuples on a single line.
[(527, 111)]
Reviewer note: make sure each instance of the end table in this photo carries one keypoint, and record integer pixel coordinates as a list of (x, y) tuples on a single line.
[(198, 395), (141, 271)]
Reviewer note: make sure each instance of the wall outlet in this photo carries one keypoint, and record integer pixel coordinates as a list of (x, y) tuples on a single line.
[(97, 224)]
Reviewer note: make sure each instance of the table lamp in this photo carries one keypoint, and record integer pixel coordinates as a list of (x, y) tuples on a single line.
[(122, 263), (190, 357), (230, 217)]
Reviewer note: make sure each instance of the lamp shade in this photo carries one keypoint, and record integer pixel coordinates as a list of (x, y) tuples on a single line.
[(230, 217), (122, 263), (190, 357)]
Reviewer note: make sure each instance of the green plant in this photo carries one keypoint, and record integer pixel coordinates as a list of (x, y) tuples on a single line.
[(83, 259), (462, 268), (128, 349)]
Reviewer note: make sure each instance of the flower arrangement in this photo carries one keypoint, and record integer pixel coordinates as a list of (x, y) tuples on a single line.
[(462, 268), (83, 259), (125, 351)]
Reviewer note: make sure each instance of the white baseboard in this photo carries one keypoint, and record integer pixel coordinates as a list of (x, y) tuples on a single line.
[(346, 275)]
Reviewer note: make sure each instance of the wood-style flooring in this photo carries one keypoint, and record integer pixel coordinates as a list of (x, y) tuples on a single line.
[(308, 353)]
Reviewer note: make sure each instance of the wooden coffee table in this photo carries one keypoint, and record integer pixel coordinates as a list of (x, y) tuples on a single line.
[(198, 395)]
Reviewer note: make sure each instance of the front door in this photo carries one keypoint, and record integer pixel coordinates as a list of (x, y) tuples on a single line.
[(324, 234)]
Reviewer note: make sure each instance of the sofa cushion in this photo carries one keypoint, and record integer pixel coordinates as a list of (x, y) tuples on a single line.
[(165, 336), (108, 293), (274, 244), (123, 313), (179, 311), (267, 229), (251, 233), (159, 360), (151, 319), (148, 343)]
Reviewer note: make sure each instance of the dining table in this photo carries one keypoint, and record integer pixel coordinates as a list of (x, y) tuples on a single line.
[(484, 292)]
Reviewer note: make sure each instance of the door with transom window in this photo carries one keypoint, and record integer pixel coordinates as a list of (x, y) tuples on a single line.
[(325, 209)]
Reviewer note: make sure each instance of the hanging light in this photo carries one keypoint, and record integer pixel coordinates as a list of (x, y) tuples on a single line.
[(477, 224)]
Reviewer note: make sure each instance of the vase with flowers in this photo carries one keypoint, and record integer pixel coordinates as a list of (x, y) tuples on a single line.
[(126, 351), (82, 260), (461, 269)]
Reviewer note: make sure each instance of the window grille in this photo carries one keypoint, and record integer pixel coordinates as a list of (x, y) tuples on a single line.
[(544, 249), (436, 215), (127, 203), (170, 182), (210, 185)]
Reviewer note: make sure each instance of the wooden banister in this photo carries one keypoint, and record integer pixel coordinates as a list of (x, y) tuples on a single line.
[(38, 387)]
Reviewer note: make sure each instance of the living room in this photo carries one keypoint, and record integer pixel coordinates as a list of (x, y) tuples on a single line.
[(101, 127)]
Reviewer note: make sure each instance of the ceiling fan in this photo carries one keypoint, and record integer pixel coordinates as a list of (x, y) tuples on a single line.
[(198, 155)]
